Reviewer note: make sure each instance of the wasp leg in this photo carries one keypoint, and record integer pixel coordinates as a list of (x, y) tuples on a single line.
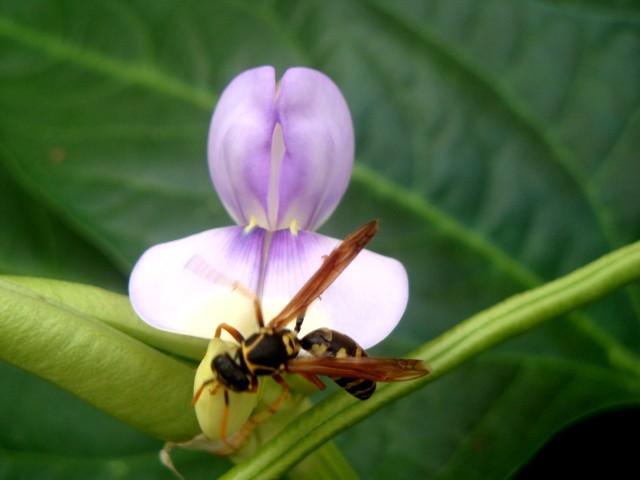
[(201, 389), (299, 321), (273, 408), (230, 330), (225, 420), (315, 380), (238, 439)]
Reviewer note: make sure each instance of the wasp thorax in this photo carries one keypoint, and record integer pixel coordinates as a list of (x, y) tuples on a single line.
[(267, 352)]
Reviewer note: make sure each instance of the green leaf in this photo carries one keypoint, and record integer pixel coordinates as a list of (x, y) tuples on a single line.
[(37, 415), (35, 242), (497, 141)]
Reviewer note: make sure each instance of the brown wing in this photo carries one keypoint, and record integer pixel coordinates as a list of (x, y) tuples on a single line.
[(378, 369), (332, 266)]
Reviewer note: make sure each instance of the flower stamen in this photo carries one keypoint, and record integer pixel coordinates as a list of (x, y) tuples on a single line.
[(253, 222), (293, 227)]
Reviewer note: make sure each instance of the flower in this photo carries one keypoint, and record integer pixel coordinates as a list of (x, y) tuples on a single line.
[(280, 157)]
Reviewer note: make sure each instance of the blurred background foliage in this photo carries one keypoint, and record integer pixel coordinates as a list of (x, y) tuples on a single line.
[(497, 142)]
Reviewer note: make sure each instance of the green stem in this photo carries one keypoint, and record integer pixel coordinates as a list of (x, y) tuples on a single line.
[(75, 350), (325, 463), (479, 333), (111, 308)]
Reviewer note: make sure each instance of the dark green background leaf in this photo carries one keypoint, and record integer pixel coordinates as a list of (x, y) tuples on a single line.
[(496, 140)]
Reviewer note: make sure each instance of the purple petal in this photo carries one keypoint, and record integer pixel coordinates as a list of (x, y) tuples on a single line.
[(319, 140), (365, 302), (187, 285), (239, 147), (281, 156)]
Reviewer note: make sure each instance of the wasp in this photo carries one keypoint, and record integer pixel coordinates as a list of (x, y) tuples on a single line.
[(274, 349)]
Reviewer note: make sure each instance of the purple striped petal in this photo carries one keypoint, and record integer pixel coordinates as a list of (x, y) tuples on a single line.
[(365, 302), (185, 286)]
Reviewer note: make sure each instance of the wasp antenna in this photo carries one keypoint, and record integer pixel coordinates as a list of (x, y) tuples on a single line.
[(230, 330), (244, 291), (199, 265)]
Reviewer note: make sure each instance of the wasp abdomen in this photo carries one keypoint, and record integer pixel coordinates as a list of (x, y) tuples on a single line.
[(324, 343)]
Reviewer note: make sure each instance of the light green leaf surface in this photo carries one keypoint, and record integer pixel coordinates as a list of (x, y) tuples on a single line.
[(497, 141)]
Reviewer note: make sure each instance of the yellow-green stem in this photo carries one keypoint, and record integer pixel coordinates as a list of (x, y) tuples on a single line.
[(479, 333)]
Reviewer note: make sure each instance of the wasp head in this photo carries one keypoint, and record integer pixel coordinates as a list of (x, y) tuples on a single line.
[(231, 373)]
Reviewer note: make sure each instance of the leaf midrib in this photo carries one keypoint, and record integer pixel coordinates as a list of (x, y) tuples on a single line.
[(146, 75), (559, 152)]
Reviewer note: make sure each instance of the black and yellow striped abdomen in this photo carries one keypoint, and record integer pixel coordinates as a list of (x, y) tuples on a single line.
[(326, 343)]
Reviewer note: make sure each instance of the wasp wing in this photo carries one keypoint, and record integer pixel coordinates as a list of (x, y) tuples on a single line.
[(332, 266), (377, 369)]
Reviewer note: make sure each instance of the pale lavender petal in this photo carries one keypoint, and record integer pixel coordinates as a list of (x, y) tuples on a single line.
[(186, 286), (319, 142), (281, 156), (239, 148), (365, 302)]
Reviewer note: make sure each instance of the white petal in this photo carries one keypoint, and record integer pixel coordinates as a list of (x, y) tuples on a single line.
[(185, 286), (365, 302), (188, 286)]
